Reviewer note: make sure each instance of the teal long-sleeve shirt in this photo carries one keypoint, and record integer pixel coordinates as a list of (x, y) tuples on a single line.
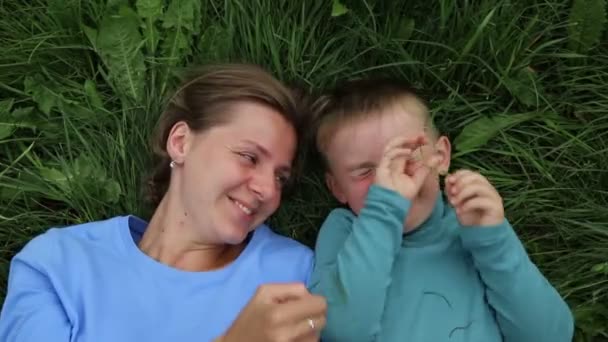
[(441, 282)]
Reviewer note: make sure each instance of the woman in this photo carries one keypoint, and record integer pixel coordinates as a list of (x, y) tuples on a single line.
[(205, 267)]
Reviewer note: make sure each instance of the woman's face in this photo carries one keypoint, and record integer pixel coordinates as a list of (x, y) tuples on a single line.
[(229, 178)]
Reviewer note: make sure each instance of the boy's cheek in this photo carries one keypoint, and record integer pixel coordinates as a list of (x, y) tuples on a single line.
[(359, 190)]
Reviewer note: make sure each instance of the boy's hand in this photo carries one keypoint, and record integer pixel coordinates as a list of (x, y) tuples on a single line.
[(392, 172), (476, 201)]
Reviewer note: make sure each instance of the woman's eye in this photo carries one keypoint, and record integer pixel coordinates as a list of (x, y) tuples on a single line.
[(252, 158)]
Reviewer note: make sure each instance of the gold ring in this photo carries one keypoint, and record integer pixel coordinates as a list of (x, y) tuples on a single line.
[(311, 323)]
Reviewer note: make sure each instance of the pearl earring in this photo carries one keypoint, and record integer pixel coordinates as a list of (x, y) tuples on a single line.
[(172, 164)]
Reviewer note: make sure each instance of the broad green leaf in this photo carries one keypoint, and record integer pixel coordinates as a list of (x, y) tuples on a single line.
[(152, 36), (44, 97), (92, 94), (119, 43), (479, 132), (6, 129), (586, 24), (112, 191), (91, 34), (181, 22), (22, 113), (89, 174), (405, 28), (338, 9), (23, 118), (84, 167), (81, 112), (64, 12), (5, 107), (150, 9), (9, 194), (183, 13), (175, 47), (214, 44), (601, 268), (117, 3), (55, 177), (525, 87), (51, 129)]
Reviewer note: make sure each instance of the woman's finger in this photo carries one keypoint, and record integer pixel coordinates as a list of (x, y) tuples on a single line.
[(310, 329), (278, 293)]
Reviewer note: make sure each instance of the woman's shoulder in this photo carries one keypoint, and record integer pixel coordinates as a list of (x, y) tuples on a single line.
[(61, 242), (279, 258), (266, 238)]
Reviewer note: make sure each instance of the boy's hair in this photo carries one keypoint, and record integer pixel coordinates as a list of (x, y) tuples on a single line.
[(359, 99)]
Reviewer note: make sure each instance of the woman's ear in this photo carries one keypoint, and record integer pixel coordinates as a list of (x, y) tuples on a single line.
[(179, 141)]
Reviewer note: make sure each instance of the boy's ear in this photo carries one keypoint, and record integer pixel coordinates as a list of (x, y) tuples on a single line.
[(444, 149), (335, 188)]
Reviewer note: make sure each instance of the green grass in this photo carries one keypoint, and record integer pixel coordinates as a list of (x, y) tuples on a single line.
[(519, 87)]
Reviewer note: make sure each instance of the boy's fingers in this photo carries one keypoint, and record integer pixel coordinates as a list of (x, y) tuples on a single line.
[(476, 203), (454, 177), (396, 158), (405, 142), (467, 178), (470, 191), (396, 142), (420, 175)]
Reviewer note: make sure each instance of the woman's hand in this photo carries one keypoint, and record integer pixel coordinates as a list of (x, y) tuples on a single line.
[(279, 313)]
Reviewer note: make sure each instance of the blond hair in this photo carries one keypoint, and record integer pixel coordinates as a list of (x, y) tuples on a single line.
[(358, 100)]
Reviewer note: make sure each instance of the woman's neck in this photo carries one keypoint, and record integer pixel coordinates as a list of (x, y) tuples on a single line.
[(170, 239)]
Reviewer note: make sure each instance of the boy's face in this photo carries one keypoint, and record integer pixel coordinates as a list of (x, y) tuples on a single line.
[(355, 149)]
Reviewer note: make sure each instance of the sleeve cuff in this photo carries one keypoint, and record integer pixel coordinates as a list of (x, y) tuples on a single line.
[(483, 236), (391, 201)]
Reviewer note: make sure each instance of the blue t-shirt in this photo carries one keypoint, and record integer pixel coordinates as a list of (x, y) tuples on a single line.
[(91, 282)]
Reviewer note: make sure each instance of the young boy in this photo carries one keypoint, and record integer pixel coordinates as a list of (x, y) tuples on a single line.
[(405, 263)]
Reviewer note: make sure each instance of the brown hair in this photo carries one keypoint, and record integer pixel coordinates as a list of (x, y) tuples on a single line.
[(202, 101), (359, 99)]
